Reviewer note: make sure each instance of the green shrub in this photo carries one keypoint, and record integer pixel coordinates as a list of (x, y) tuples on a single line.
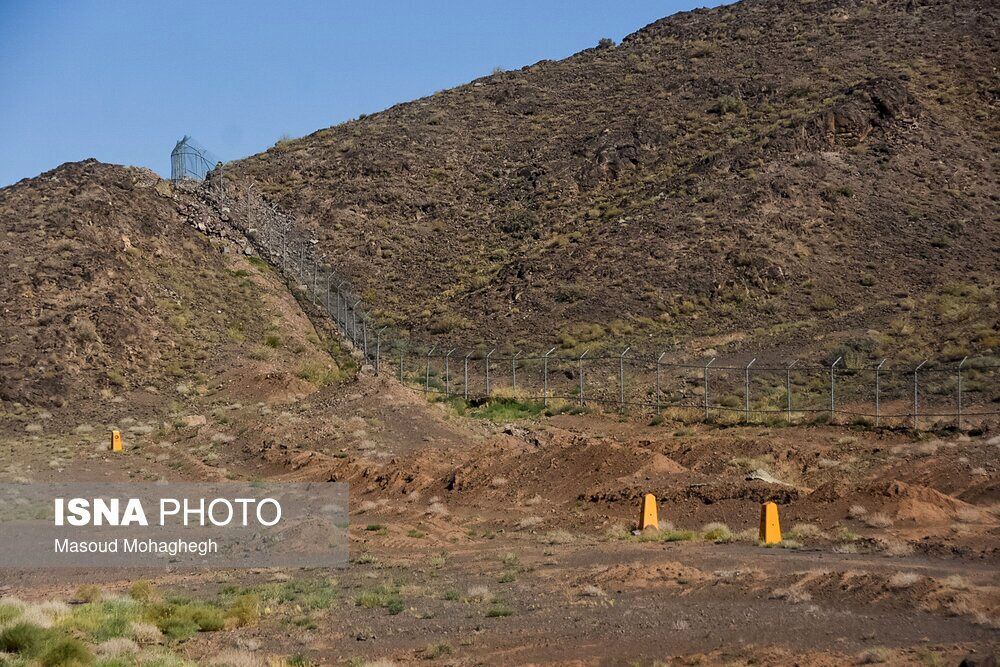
[(143, 591), (181, 619), (64, 652), (22, 638)]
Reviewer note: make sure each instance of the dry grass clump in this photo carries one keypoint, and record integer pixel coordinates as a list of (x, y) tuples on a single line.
[(904, 579), (791, 594), (528, 522), (116, 647), (806, 531), (479, 594), (857, 512), (874, 656), (559, 537), (878, 520)]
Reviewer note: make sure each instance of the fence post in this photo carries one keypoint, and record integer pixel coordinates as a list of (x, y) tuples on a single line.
[(466, 380), (878, 401), (364, 336), (340, 317), (378, 349), (916, 401), (354, 322), (833, 400), (788, 389), (427, 369), (488, 355), (582, 399), (545, 377), (513, 370), (447, 373), (746, 391), (706, 385), (959, 420), (657, 391), (329, 283), (621, 379)]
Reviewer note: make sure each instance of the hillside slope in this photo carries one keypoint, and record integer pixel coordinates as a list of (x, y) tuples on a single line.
[(767, 173), (109, 290)]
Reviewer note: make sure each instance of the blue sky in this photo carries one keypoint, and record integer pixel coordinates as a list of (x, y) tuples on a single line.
[(122, 81)]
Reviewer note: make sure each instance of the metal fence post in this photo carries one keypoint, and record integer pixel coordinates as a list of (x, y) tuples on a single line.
[(621, 378), (582, 399), (788, 389), (447, 373), (916, 400), (545, 377), (378, 349), (354, 322), (427, 370), (466, 379), (656, 398), (364, 335), (833, 400), (706, 385), (959, 419), (746, 390), (878, 406), (488, 355), (340, 316)]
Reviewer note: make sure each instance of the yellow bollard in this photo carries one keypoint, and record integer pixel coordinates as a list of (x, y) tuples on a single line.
[(116, 441), (770, 528), (648, 518)]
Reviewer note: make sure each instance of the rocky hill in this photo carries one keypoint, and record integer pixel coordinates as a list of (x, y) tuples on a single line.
[(110, 289), (773, 172)]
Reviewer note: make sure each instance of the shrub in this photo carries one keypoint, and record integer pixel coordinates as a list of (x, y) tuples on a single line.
[(727, 104), (89, 593), (22, 638), (143, 591), (717, 532), (499, 611), (65, 651), (180, 619), (245, 610), (605, 43)]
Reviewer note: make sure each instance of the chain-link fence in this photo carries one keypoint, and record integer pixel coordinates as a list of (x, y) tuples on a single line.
[(190, 161), (924, 395)]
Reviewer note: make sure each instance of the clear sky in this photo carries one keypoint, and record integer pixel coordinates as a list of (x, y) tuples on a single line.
[(122, 81)]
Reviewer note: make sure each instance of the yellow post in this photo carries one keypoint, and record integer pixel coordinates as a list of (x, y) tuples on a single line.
[(116, 441), (648, 518), (770, 528)]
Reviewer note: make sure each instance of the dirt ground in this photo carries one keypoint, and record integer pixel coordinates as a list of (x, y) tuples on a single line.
[(512, 543)]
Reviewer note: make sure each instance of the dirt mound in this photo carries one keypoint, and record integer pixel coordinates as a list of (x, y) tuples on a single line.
[(772, 167), (916, 504), (110, 289)]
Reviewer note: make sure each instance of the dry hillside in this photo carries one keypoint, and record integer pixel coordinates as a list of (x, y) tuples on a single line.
[(793, 171), (109, 288)]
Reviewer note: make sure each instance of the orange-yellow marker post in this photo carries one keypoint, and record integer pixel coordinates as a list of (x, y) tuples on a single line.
[(648, 518), (116, 441), (770, 528)]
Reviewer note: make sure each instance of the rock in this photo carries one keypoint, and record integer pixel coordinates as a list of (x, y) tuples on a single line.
[(33, 428)]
